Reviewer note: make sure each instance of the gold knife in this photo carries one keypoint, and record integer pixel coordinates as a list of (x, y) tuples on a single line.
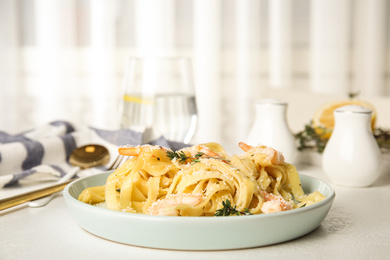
[(31, 195)]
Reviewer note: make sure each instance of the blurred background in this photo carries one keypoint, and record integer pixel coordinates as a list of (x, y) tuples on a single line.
[(64, 59)]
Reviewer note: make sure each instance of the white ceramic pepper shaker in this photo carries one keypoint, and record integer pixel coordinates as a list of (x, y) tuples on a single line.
[(352, 156), (270, 128)]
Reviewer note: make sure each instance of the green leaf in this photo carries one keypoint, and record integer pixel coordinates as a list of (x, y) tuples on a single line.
[(228, 210)]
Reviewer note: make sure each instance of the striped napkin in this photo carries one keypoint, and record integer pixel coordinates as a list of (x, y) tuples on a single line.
[(42, 154)]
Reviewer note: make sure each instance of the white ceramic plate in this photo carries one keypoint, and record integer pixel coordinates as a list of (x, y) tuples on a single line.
[(197, 233)]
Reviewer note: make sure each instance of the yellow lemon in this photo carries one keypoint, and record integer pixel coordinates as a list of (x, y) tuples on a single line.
[(323, 120)]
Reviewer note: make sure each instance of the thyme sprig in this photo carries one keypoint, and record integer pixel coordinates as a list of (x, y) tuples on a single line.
[(228, 210), (310, 139), (382, 136), (352, 95), (182, 157)]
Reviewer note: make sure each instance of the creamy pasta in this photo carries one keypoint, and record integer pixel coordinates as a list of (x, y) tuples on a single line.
[(195, 181)]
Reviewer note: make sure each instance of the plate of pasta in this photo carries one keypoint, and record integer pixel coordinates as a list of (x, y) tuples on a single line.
[(200, 198)]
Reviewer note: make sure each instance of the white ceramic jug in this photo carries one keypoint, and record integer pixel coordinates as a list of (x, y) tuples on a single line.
[(352, 156), (271, 128)]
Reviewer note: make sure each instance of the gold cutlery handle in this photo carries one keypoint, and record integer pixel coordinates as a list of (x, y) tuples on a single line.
[(31, 195)]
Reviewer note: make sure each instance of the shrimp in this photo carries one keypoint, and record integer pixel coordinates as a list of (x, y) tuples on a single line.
[(273, 156), (136, 150), (273, 203), (171, 205), (202, 151), (196, 149)]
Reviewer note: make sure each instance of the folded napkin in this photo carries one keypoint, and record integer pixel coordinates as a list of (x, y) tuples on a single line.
[(42, 154)]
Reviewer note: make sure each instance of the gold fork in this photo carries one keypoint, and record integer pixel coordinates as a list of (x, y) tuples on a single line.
[(36, 194), (119, 160)]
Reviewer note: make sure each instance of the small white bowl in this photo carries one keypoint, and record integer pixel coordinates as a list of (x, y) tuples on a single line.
[(197, 233)]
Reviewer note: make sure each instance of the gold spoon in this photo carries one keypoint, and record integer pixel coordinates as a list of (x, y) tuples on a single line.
[(84, 157), (89, 156)]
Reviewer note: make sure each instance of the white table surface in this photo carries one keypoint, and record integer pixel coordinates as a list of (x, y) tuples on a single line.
[(357, 227)]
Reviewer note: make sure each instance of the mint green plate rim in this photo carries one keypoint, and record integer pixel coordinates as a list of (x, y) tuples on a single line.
[(197, 233)]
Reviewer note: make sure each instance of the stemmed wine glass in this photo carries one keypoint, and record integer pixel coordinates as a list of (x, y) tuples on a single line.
[(158, 92)]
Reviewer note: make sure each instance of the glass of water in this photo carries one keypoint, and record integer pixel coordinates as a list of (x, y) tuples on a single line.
[(158, 92)]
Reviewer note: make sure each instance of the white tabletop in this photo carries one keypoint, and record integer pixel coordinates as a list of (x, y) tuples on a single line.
[(357, 227)]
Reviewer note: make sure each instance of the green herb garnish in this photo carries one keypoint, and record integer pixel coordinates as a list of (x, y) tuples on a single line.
[(310, 139), (382, 136), (353, 95), (182, 157), (228, 210)]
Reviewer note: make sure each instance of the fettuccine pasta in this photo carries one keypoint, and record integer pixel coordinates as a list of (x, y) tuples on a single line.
[(196, 181)]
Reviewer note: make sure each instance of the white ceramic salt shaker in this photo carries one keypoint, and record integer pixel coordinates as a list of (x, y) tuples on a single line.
[(270, 128), (352, 156)]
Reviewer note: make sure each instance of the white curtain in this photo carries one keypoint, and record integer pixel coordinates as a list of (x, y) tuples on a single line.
[(64, 60)]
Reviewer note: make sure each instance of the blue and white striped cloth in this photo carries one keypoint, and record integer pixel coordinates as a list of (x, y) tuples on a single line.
[(42, 154)]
